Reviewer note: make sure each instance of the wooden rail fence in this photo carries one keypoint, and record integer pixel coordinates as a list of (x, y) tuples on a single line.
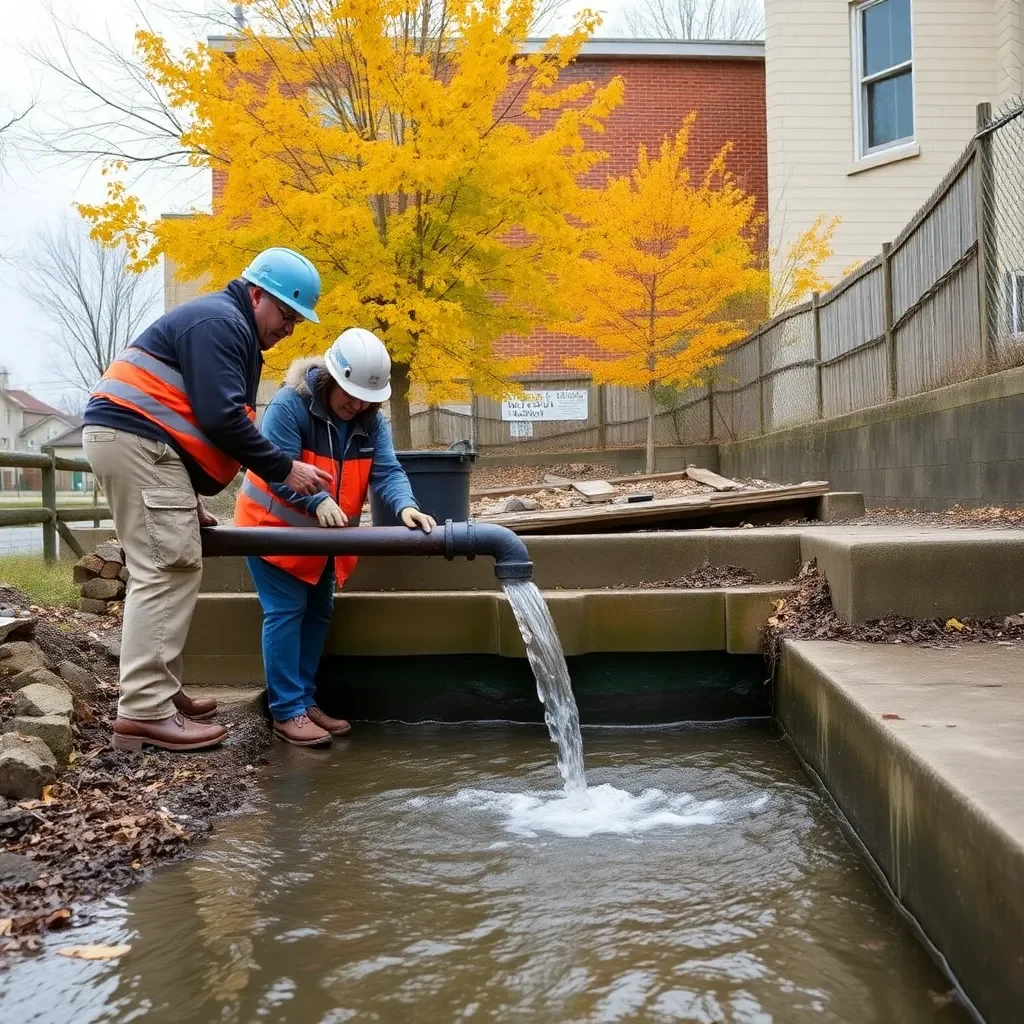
[(52, 518)]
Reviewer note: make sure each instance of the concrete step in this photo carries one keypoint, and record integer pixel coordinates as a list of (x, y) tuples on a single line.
[(582, 562), (919, 572), (923, 749), (223, 647)]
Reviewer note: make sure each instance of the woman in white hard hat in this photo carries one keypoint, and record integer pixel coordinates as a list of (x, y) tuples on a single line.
[(327, 414)]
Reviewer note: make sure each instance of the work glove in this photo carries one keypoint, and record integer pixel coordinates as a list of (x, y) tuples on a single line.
[(417, 520), (329, 514)]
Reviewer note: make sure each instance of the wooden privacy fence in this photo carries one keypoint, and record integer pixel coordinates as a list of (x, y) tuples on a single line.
[(53, 520), (942, 303)]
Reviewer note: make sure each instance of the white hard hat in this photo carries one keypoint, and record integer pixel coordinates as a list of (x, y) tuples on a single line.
[(360, 364)]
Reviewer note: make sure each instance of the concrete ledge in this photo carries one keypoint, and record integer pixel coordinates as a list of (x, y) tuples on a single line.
[(581, 562), (920, 573), (924, 752), (223, 647)]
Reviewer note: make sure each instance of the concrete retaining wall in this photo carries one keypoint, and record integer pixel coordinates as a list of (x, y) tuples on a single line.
[(963, 444)]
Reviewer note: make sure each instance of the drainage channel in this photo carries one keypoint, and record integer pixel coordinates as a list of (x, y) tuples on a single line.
[(429, 873)]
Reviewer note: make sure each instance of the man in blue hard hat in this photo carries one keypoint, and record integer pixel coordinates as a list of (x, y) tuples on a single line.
[(172, 419)]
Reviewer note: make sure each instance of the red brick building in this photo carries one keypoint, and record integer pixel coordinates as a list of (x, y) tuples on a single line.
[(665, 81)]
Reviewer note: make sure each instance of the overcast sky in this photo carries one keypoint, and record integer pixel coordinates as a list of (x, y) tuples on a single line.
[(35, 193)]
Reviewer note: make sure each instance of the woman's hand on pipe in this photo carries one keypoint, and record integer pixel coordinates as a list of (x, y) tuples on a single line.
[(329, 514)]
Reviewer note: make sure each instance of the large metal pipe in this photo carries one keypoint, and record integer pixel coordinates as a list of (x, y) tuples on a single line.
[(453, 540)]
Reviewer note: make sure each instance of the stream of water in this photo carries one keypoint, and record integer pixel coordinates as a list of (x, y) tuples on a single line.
[(554, 688)]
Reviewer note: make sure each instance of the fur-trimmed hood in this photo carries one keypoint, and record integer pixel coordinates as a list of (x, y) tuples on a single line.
[(301, 380)]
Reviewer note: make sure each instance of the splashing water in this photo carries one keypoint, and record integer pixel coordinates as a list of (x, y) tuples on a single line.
[(554, 688)]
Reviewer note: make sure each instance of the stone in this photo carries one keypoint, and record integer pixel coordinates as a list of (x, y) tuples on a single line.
[(42, 676), (54, 730), (103, 590), (12, 625), (124, 575), (111, 570), (16, 869), (113, 649), (92, 606), (8, 613), (518, 504), (26, 768), (81, 682), (19, 655), (39, 700), (1012, 621), (87, 568), (110, 551)]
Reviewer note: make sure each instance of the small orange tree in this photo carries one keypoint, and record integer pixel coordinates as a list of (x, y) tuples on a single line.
[(661, 256)]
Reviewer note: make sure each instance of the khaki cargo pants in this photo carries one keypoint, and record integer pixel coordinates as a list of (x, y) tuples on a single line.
[(154, 507)]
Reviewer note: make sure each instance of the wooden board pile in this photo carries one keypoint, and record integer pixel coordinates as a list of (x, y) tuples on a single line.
[(102, 579)]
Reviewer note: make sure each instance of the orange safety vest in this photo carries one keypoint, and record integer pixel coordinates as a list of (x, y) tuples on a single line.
[(148, 386), (257, 505)]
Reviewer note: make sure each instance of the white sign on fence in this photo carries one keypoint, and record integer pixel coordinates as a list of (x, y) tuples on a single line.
[(546, 405), (520, 428)]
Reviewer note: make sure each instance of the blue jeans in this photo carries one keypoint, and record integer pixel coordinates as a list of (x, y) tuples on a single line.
[(296, 617)]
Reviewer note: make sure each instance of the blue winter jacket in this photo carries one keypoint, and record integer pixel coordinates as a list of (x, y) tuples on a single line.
[(298, 409), (212, 341)]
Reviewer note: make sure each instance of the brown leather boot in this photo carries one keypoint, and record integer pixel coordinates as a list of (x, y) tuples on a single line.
[(302, 732), (174, 733), (196, 708), (335, 726)]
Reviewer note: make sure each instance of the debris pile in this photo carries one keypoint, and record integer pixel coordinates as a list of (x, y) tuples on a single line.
[(808, 615), (705, 577), (77, 818), (102, 579)]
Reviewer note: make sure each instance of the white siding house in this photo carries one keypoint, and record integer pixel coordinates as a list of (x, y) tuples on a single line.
[(870, 102)]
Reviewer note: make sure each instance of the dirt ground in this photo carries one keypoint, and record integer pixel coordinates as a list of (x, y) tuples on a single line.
[(111, 815)]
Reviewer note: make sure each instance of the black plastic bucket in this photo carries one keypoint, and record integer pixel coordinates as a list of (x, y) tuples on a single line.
[(440, 482)]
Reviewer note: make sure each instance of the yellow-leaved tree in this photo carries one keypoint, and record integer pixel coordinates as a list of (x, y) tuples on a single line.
[(796, 273), (411, 149), (662, 255)]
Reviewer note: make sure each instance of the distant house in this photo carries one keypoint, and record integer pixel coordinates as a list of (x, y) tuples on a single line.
[(869, 104), (26, 424)]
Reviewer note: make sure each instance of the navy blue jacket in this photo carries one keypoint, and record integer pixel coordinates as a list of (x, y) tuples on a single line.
[(212, 341)]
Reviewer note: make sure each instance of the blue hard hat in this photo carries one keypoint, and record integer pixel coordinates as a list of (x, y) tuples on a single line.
[(287, 276)]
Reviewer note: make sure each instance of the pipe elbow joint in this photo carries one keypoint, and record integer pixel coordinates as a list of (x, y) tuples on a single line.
[(511, 559)]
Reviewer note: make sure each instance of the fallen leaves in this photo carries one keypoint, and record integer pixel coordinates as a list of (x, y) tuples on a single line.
[(957, 625), (97, 952)]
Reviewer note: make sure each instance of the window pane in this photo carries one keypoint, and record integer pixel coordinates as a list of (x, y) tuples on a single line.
[(886, 32), (890, 110)]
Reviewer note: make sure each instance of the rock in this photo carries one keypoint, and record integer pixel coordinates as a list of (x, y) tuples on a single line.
[(110, 551), (7, 613), (16, 869), (43, 676), (20, 655), (518, 504), (93, 607), (86, 568), (26, 767), (80, 681), (113, 649), (53, 730), (124, 575), (11, 625), (103, 590), (39, 700), (1013, 620), (111, 570)]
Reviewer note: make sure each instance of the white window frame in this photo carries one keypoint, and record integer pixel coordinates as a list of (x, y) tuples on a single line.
[(861, 150), (1015, 301)]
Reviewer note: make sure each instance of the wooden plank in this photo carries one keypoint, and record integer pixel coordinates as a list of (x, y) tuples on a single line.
[(24, 516), (651, 512), (595, 491), (508, 492), (713, 480), (82, 513)]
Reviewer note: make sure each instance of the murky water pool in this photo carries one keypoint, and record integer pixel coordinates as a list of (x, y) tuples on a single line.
[(434, 874)]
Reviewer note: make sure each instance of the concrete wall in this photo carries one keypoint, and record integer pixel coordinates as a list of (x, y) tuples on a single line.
[(959, 445), (812, 154)]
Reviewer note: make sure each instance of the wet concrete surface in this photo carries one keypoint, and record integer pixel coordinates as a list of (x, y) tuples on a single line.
[(434, 874)]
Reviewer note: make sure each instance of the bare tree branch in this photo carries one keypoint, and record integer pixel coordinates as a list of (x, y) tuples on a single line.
[(696, 19), (95, 306)]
